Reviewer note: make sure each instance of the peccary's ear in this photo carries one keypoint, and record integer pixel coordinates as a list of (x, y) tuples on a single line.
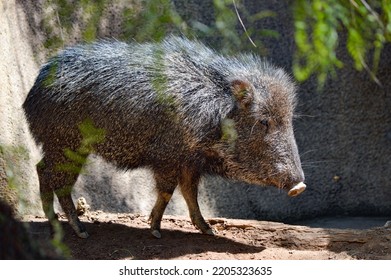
[(242, 92)]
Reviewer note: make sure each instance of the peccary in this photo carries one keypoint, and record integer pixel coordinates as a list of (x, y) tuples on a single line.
[(176, 107)]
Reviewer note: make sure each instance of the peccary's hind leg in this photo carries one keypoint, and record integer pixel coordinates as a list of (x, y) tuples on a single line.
[(165, 185), (46, 193), (51, 178), (189, 187)]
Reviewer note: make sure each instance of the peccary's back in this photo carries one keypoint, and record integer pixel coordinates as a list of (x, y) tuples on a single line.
[(149, 99)]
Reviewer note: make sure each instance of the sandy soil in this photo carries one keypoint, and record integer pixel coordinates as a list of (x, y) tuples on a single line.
[(127, 236)]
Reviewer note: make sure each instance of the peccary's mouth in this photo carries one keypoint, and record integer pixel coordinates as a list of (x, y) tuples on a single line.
[(297, 189)]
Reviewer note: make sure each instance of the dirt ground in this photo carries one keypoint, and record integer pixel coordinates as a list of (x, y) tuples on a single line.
[(127, 236)]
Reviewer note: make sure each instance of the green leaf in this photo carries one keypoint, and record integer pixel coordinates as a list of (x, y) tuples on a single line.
[(75, 157)]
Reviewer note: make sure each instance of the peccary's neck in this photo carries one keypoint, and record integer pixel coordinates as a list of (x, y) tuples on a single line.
[(213, 161)]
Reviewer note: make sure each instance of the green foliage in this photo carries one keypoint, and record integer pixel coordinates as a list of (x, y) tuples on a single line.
[(229, 132), (52, 75), (91, 136), (321, 26), (159, 84), (62, 16), (153, 22), (58, 9), (227, 23), (93, 11), (318, 28)]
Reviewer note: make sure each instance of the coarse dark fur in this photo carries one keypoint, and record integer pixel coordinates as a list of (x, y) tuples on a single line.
[(176, 107)]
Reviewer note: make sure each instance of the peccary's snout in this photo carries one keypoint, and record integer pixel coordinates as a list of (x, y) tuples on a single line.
[(296, 185), (291, 175)]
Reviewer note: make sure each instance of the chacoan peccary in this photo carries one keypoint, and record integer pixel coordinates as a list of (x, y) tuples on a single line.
[(176, 107)]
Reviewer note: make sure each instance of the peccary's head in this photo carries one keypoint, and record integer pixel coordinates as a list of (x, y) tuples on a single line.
[(260, 146)]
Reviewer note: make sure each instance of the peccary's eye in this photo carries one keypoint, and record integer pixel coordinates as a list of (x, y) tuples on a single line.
[(265, 123)]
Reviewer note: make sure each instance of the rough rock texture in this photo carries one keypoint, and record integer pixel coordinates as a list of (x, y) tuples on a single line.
[(7, 195), (17, 73), (343, 133)]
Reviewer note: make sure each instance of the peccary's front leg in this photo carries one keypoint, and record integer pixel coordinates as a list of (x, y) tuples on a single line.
[(69, 209), (63, 189), (189, 187), (165, 185)]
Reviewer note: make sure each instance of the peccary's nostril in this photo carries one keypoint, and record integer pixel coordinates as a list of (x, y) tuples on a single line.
[(297, 189)]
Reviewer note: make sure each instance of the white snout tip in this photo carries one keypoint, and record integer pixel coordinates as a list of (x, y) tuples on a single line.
[(298, 189)]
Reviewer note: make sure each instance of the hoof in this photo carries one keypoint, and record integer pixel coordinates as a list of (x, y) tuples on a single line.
[(209, 232), (156, 233), (83, 234)]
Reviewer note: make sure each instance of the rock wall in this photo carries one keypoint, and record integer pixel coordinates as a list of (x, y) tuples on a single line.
[(343, 133), (17, 73)]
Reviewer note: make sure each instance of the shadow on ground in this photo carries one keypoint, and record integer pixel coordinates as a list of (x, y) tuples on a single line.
[(127, 236), (110, 240)]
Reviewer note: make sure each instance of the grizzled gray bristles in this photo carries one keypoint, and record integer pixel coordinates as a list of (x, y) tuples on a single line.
[(178, 72)]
